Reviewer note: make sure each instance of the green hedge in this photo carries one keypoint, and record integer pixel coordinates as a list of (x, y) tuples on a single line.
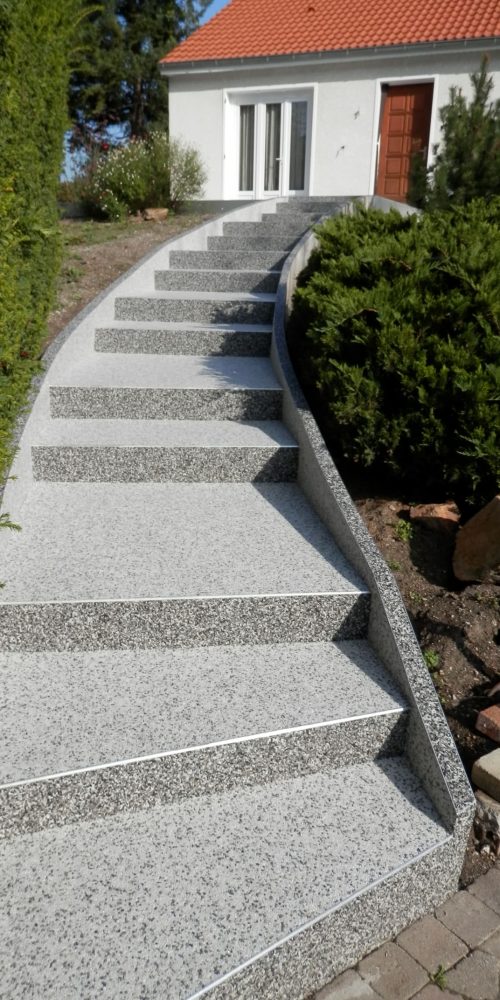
[(35, 46), (397, 321)]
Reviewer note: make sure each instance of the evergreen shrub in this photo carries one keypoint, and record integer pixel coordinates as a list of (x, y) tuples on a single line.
[(153, 172), (397, 321), (35, 44)]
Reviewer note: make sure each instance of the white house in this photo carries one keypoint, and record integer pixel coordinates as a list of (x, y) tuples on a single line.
[(323, 97)]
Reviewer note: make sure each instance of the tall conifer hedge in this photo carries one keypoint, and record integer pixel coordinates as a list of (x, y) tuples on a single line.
[(35, 46)]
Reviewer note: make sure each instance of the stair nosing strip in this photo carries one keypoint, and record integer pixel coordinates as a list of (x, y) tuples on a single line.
[(309, 924), (231, 741), (185, 597)]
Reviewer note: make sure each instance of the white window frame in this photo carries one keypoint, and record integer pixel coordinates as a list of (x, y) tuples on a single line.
[(260, 96)]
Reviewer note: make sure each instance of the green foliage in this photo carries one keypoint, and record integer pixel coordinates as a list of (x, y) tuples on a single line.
[(402, 324), (467, 161), (146, 173), (403, 530), (116, 80), (439, 977), (35, 43), (431, 658)]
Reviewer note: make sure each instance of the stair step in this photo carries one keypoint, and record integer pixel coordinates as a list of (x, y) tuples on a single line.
[(197, 308), (239, 870), (288, 227), (321, 206), (186, 621), (217, 281), (230, 259), (267, 242), (174, 388), (135, 542), (159, 450), (159, 717), (240, 340)]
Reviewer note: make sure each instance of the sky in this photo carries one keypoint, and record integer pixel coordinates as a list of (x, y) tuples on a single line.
[(212, 9)]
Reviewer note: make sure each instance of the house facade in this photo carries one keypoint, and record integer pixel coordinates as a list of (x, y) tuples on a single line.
[(322, 98)]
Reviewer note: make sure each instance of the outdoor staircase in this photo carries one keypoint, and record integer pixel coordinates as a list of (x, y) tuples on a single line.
[(206, 779)]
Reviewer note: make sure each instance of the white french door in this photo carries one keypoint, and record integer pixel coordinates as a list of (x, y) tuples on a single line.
[(273, 144)]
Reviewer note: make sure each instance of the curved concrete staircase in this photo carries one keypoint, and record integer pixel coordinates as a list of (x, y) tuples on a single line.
[(217, 772)]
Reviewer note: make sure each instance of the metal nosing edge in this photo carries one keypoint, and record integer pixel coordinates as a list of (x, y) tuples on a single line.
[(316, 920), (253, 737), (186, 597)]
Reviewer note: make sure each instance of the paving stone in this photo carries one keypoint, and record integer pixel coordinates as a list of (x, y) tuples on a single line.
[(488, 722), (492, 944), (432, 944), (392, 973), (487, 889), (432, 992), (348, 986), (476, 977), (486, 773), (469, 918)]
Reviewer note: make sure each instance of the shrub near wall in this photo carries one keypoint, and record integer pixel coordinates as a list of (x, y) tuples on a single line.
[(399, 322), (35, 45)]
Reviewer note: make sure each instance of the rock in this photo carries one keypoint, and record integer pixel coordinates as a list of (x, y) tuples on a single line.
[(487, 823), (486, 773), (155, 214), (477, 548), (437, 516), (488, 722)]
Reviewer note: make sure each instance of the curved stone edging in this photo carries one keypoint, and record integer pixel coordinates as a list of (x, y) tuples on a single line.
[(431, 748)]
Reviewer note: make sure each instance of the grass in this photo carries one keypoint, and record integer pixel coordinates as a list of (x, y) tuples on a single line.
[(89, 233), (438, 977)]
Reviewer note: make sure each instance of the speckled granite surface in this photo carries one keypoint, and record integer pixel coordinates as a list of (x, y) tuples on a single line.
[(180, 893), (243, 341), (207, 796)]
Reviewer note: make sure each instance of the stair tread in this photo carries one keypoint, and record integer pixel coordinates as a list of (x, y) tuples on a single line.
[(182, 894), (164, 434), (114, 706), (171, 295), (133, 541), (176, 371), (154, 324)]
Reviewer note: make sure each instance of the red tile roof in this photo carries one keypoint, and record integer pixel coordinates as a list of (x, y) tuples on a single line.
[(247, 28)]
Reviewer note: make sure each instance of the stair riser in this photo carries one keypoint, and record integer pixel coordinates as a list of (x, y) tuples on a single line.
[(193, 311), (165, 404), (216, 281), (238, 244), (283, 227), (181, 465), (319, 207), (144, 784), (227, 260), (185, 622), (192, 342)]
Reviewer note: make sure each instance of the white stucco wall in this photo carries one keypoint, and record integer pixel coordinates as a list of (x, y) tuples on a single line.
[(345, 112)]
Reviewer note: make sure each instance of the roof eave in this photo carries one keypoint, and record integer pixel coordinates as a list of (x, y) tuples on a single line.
[(193, 66)]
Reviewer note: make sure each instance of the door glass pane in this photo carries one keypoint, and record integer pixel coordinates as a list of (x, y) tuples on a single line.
[(298, 135), (273, 143), (247, 139)]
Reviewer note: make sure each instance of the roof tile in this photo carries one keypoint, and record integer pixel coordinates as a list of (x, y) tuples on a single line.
[(247, 28)]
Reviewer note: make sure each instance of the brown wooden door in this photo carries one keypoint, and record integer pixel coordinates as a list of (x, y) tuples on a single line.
[(404, 130)]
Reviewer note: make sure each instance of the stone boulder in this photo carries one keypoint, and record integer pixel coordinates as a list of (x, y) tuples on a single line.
[(155, 214), (442, 517), (477, 548)]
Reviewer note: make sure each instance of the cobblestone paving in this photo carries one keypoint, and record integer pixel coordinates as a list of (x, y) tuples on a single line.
[(454, 952)]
